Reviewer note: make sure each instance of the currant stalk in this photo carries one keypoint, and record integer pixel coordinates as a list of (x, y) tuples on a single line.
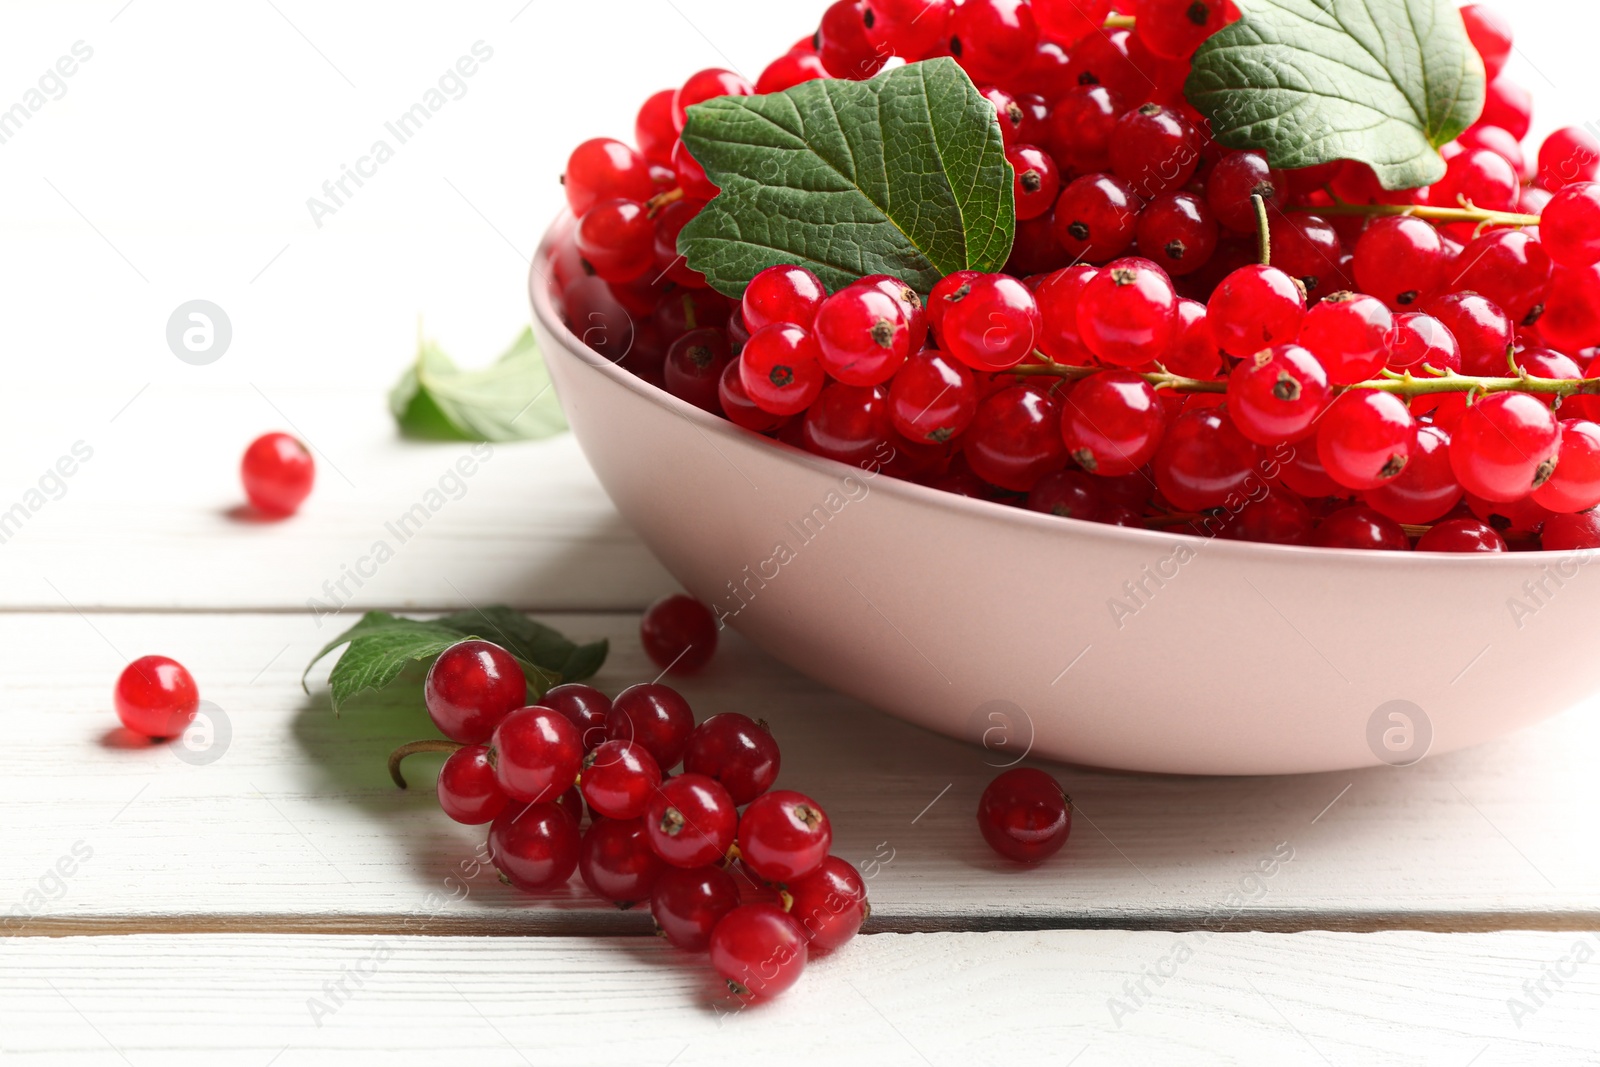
[(413, 747)]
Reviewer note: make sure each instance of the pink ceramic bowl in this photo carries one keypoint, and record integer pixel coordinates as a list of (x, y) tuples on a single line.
[(1083, 642)]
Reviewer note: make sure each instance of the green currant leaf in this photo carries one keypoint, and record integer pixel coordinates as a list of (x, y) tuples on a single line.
[(1386, 82), (510, 400), (904, 174)]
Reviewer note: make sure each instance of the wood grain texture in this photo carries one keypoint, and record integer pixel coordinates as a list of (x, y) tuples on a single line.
[(920, 999), (296, 827)]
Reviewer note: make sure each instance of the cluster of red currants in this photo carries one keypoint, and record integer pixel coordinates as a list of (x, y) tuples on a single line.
[(756, 888), (1139, 362)]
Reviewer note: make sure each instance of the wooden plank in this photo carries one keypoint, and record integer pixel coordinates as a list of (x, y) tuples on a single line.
[(296, 826), (148, 516), (1062, 996)]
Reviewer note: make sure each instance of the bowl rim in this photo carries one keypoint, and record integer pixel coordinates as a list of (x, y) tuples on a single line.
[(539, 292)]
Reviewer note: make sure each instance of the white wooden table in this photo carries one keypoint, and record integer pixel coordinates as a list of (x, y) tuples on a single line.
[(285, 904)]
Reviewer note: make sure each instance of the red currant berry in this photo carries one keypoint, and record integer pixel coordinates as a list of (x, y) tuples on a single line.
[(603, 169), (1036, 180), (1015, 439), (706, 85), (1274, 518), (739, 408), (691, 821), (1569, 228), (617, 238), (1068, 494), (1505, 446), (1303, 472), (783, 293), (1461, 535), (909, 28), (848, 423), (862, 336), (468, 792), (1483, 332), (668, 263), (1523, 517), (678, 633), (1255, 307), (691, 175), (1307, 247), (843, 45), (618, 780), (1575, 483), (1562, 533), (1177, 233), (1348, 333), (784, 835), (1400, 260), (1571, 319), (1568, 155), (830, 904), (616, 863), (1510, 268), (1427, 488), (1497, 140), (1478, 177), (781, 369), (1013, 119), (584, 706), (1057, 296), (1081, 123), (1096, 217), (1025, 815), (1360, 527), (989, 323), (688, 904), (789, 70), (1154, 149), (694, 366), (653, 130), (1069, 21), (1106, 58), (471, 687), (536, 754), (1112, 423), (1277, 394), (1234, 180), (758, 950), (156, 697), (1193, 351), (1125, 313), (656, 717), (736, 751), (277, 471), (1490, 35), (1508, 106), (1365, 438), (534, 846), (1419, 340), (1204, 460), (993, 38), (932, 398)]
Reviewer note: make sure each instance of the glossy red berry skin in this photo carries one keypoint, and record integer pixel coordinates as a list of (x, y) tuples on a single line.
[(1419, 340), (992, 38), (843, 44), (909, 28), (1505, 446), (156, 697), (1068, 494), (1362, 528), (1568, 155), (1365, 438), (1080, 128), (615, 861), (619, 779), (990, 323), (739, 408), (471, 688), (1112, 422), (687, 904), (1462, 535), (1096, 217), (784, 835), (1236, 177), (1069, 21), (1562, 533), (1154, 149), (602, 169), (1400, 260), (1479, 177), (536, 754), (1274, 518), (1277, 394), (705, 85), (1571, 319), (694, 366), (535, 846), (782, 294), (1193, 351), (1253, 308), (691, 175), (1204, 460), (781, 369), (277, 472), (862, 336), (1015, 439), (1036, 181), (1490, 35), (848, 423), (656, 717), (1176, 232), (1569, 228), (468, 792), (1303, 472), (584, 706), (1427, 489), (932, 398), (1348, 333), (1575, 483), (1483, 331), (735, 750), (1508, 106), (789, 70), (653, 130), (830, 904), (1025, 815), (758, 950), (1508, 267), (1057, 296), (678, 633), (617, 238), (1125, 312), (691, 821)]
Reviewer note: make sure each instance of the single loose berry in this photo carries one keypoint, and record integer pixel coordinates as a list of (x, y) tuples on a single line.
[(1080, 128), (1348, 333), (990, 322), (1036, 180), (1253, 308), (617, 238), (678, 633), (1508, 267), (830, 904), (1204, 460), (584, 706), (1490, 35), (1125, 313), (1365, 438), (656, 717), (909, 28), (1508, 106), (1025, 815), (843, 44), (739, 408), (1015, 439), (468, 792), (758, 950), (1068, 494), (848, 423), (277, 471), (992, 38), (1234, 180), (691, 821), (781, 369), (536, 754), (618, 780), (653, 130), (862, 336), (1427, 489), (1069, 21), (789, 70), (615, 861), (694, 366), (784, 835), (1362, 528), (534, 846), (602, 169), (1483, 332), (156, 697), (1111, 423), (1575, 483), (782, 294), (1400, 260), (1277, 394), (1419, 340), (471, 688), (1461, 535), (688, 904), (1569, 227), (1505, 446), (1193, 351), (1177, 233), (1057, 296), (736, 751), (1154, 149), (703, 86), (1096, 217), (1568, 155)]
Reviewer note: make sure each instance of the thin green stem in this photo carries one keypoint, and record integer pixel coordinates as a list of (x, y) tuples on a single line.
[(1263, 230), (1467, 213), (1119, 22)]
